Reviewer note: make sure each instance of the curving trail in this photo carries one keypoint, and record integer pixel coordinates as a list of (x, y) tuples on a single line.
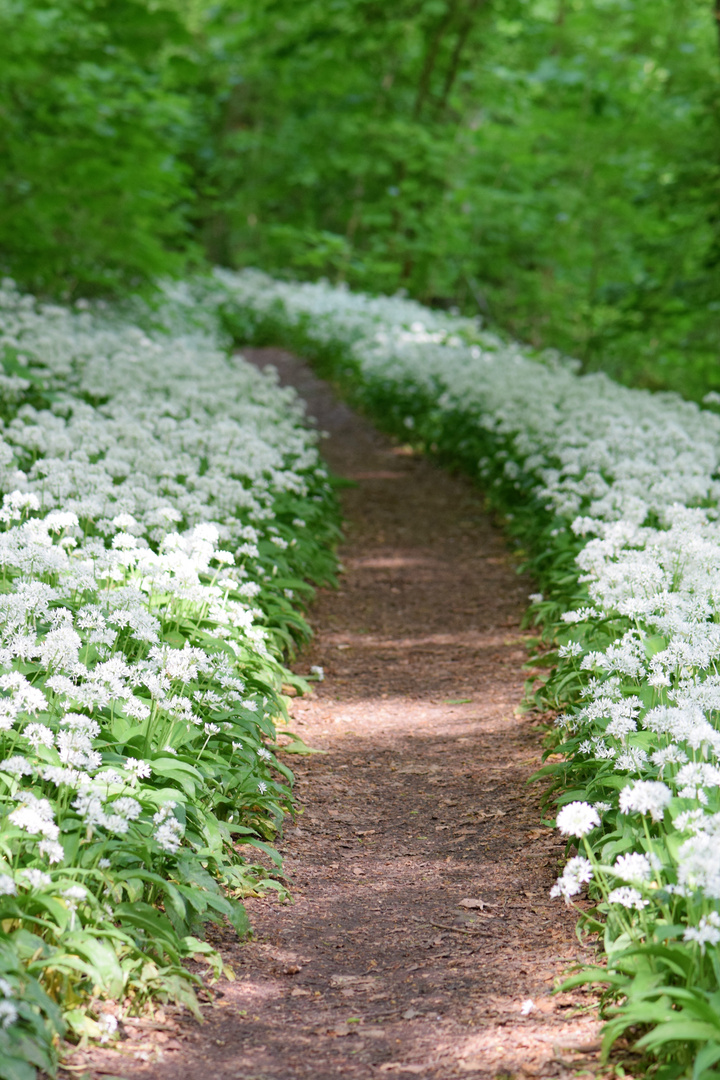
[(376, 970)]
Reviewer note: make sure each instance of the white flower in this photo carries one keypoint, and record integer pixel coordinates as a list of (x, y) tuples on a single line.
[(17, 501), (577, 872), (577, 819), (698, 863), (169, 832), (35, 879), (631, 759), (53, 850), (60, 648), (707, 931), (7, 886), (17, 765), (645, 797), (168, 836), (688, 819), (75, 892), (84, 724), (628, 897), (8, 1013), (318, 672), (34, 816), (668, 755), (126, 807), (108, 1026), (38, 735), (140, 769), (262, 787), (632, 867), (573, 648)]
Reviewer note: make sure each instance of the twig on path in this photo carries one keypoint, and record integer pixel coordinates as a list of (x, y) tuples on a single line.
[(443, 926)]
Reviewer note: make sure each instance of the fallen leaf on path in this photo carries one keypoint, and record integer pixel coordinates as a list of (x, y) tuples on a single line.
[(360, 982), (297, 746), (339, 1030), (580, 1046), (398, 1066)]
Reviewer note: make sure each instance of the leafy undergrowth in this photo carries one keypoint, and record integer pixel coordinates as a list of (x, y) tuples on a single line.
[(612, 495), (164, 513)]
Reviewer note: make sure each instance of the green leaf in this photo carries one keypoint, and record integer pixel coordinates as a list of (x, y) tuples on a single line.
[(13, 1068), (705, 1058), (672, 1031), (101, 955)]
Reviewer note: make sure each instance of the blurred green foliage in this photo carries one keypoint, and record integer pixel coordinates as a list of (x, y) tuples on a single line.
[(553, 165), (93, 131)]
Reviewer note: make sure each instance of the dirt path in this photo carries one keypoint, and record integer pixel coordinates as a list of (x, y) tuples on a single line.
[(420, 803)]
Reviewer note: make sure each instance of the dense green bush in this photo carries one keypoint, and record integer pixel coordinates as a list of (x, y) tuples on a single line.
[(95, 193)]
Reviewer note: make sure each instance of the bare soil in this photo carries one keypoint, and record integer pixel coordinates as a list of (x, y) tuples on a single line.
[(420, 939)]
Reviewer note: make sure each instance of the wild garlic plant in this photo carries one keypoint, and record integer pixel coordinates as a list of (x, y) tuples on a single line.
[(164, 508), (613, 494)]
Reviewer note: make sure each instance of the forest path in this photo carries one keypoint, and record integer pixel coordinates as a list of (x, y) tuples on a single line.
[(376, 969)]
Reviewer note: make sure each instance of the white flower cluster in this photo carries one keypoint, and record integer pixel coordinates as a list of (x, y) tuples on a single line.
[(145, 434), (141, 472), (633, 478)]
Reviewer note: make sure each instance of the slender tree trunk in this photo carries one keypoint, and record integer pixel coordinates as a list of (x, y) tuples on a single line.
[(460, 43), (431, 56)]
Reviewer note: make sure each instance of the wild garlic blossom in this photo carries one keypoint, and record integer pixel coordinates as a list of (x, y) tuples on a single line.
[(577, 819)]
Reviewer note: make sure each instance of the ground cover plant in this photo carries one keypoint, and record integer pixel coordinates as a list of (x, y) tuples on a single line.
[(164, 510), (613, 493)]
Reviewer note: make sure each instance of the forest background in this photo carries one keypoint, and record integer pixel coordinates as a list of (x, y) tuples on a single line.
[(550, 165)]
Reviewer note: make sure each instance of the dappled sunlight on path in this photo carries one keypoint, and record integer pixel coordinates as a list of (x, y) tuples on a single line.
[(421, 940)]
